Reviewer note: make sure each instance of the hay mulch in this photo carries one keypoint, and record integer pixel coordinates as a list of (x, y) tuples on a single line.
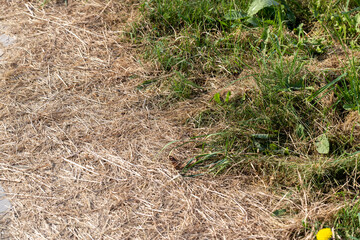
[(80, 150)]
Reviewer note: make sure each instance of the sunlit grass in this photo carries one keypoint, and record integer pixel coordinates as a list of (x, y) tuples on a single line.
[(287, 127)]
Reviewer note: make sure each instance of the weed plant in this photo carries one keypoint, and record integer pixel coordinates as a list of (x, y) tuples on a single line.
[(283, 129)]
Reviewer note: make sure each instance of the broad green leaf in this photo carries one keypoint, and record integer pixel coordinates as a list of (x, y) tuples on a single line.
[(254, 21), (258, 5), (322, 144), (235, 15)]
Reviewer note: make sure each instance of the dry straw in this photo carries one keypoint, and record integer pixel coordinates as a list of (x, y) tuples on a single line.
[(80, 146)]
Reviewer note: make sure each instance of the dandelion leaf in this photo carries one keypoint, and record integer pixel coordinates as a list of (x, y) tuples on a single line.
[(235, 15), (258, 5)]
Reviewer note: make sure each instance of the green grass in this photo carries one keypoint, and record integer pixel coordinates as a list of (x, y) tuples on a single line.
[(347, 221), (289, 127)]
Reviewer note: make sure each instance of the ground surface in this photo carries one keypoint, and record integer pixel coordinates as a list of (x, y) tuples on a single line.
[(80, 147)]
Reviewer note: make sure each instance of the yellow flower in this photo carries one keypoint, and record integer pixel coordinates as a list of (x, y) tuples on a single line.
[(324, 234)]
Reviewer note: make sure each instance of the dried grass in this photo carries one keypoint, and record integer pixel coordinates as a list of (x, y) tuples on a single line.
[(80, 151)]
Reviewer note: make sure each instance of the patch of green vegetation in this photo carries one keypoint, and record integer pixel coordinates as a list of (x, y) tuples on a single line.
[(347, 221), (341, 19), (183, 88), (284, 127)]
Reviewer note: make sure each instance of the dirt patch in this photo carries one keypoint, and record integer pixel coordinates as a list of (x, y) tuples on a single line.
[(80, 151)]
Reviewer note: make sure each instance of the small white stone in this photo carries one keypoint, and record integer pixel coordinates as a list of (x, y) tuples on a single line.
[(6, 40), (5, 204)]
